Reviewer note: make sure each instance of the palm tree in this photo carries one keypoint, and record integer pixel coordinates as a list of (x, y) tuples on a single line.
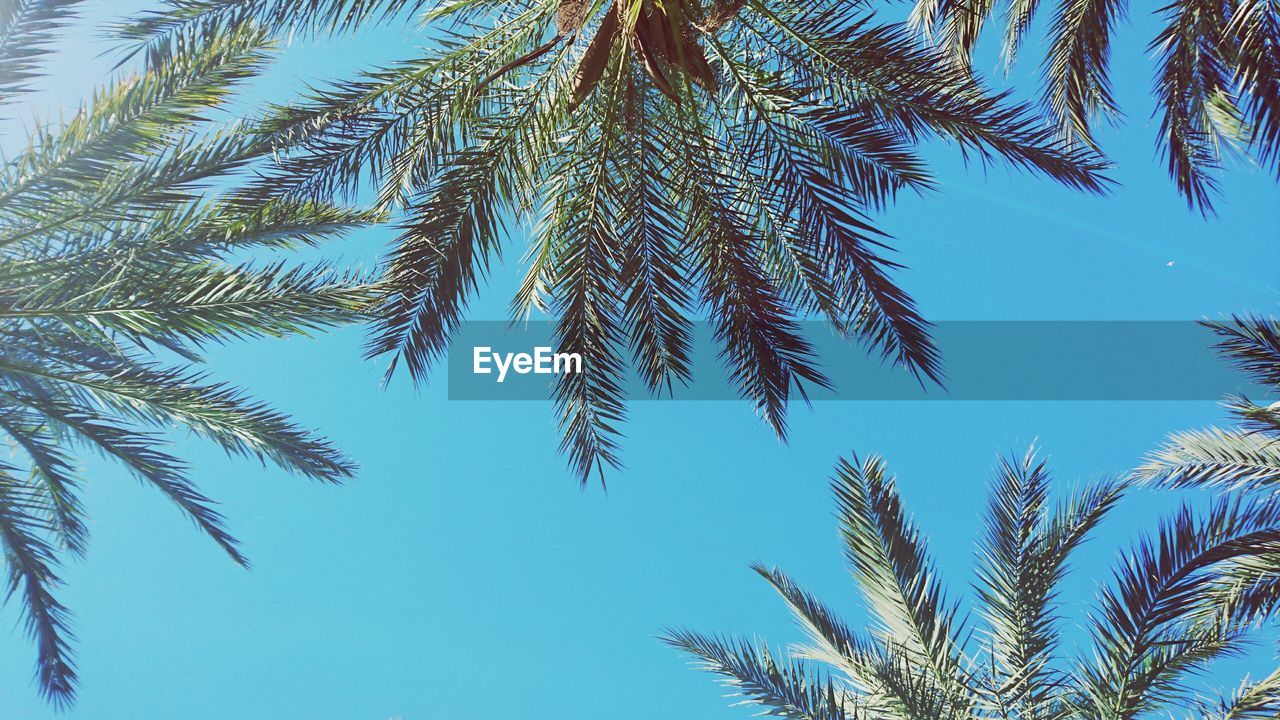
[(1181, 598), (118, 264), (1246, 457), (675, 159), (1217, 75)]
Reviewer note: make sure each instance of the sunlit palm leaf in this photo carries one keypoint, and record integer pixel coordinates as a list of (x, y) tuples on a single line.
[(117, 239), (1192, 593)]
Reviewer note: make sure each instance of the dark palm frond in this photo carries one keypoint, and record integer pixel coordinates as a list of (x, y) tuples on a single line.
[(1077, 82), (827, 220), (1252, 344), (1145, 643), (767, 355), (137, 451), (882, 70), (32, 565), (1194, 87), (654, 270), (585, 250), (1217, 75), (457, 227), (27, 28), (1193, 593), (674, 157), (123, 233), (1255, 27), (1246, 591), (52, 474)]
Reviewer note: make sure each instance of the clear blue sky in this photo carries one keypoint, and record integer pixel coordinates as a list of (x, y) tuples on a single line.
[(464, 575)]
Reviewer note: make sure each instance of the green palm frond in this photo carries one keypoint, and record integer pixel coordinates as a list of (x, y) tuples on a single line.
[(119, 238), (1217, 76), (1195, 591), (673, 157)]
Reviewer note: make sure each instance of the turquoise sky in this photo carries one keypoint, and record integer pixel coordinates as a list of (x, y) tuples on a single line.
[(465, 575)]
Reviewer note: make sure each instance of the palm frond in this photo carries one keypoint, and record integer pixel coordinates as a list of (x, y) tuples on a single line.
[(52, 474), (185, 20), (123, 233), (32, 565), (786, 689), (1144, 644), (27, 27), (585, 248), (1217, 77), (1077, 83), (1255, 26), (1193, 73), (1258, 700), (1189, 595), (1214, 457), (898, 579), (1252, 344), (1023, 558), (654, 267)]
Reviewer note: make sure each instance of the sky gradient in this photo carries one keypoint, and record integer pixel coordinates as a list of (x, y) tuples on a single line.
[(464, 575)]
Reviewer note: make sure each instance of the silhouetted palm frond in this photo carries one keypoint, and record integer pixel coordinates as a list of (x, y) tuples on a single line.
[(673, 157), (1217, 80), (118, 252), (1192, 592), (1243, 458)]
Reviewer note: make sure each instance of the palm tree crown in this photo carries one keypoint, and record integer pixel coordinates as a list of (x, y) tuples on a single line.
[(117, 265), (1191, 593), (1217, 83), (674, 157)]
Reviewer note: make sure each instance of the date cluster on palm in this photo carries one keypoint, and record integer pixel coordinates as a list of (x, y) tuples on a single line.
[(662, 33)]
